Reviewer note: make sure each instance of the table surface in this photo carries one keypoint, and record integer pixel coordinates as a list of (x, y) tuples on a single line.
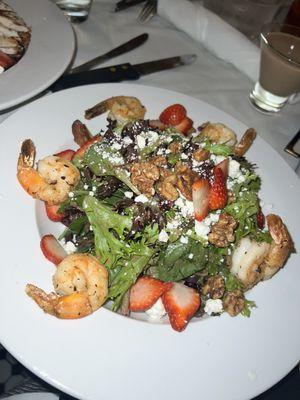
[(209, 79)]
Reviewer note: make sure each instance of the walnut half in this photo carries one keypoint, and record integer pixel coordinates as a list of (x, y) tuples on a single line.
[(222, 232), (234, 302), (214, 287), (143, 176)]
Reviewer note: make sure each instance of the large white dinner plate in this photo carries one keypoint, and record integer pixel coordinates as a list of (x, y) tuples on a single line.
[(49, 53), (107, 356)]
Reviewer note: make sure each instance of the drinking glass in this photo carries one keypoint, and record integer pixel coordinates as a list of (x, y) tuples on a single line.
[(279, 77), (75, 10)]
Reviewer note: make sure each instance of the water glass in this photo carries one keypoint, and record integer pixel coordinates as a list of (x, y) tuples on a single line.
[(75, 10), (279, 77)]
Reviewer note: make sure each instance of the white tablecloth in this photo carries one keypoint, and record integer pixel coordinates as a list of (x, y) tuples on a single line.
[(209, 78)]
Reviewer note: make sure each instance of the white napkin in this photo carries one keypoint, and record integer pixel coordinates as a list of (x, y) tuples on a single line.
[(213, 33)]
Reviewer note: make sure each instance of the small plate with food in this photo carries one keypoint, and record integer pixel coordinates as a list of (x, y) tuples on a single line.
[(36, 46), (152, 245)]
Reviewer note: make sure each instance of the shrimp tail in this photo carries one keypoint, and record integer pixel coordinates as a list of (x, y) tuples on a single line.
[(27, 155), (46, 302)]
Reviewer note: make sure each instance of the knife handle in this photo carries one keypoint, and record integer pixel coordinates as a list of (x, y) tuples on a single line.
[(114, 73)]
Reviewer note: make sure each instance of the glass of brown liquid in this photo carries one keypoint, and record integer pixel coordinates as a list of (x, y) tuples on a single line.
[(279, 76)]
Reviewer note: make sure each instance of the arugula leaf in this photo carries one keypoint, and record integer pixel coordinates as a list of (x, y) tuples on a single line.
[(246, 312), (174, 263)]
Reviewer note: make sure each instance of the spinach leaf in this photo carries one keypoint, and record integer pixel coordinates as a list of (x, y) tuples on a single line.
[(180, 260)]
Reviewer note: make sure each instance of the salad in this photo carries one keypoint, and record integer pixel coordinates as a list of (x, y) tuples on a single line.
[(160, 217)]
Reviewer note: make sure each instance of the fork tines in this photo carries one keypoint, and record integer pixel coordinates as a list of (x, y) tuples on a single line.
[(124, 4), (148, 11)]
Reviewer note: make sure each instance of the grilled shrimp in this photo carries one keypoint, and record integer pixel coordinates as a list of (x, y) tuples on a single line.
[(253, 262), (80, 283), (122, 109), (245, 142), (53, 179), (219, 133)]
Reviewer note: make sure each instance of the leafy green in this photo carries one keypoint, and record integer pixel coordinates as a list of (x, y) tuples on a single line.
[(103, 160), (246, 312), (174, 263), (124, 259), (219, 149)]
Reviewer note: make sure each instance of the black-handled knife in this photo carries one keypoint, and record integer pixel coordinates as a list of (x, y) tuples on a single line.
[(117, 51), (120, 72)]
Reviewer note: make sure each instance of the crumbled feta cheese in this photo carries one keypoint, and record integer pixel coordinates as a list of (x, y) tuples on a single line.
[(173, 224), (163, 236), (184, 240), (184, 156), (127, 141), (116, 146), (186, 207), (68, 246), (191, 256), (141, 199), (234, 169), (71, 195), (156, 312), (213, 306), (85, 187), (141, 141), (91, 193), (128, 195), (217, 159), (202, 228)]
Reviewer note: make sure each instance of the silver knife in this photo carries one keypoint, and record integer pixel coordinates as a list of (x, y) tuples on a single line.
[(121, 72), (123, 48)]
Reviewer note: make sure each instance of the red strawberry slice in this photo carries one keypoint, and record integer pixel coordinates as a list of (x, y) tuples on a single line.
[(52, 249), (260, 218), (145, 292), (181, 303), (5, 60), (66, 154), (80, 152), (201, 198), (185, 126), (224, 165), (173, 115), (52, 212), (218, 190)]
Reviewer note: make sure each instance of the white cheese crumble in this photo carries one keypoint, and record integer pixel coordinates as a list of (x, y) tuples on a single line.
[(141, 199), (186, 207), (68, 246), (128, 195), (184, 240), (127, 140), (163, 236), (213, 306), (217, 159), (191, 256), (202, 228), (156, 312), (116, 146), (141, 141), (71, 194), (234, 169)]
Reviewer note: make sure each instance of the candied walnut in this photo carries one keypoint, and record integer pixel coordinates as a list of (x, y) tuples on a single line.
[(214, 287), (174, 147), (222, 232), (143, 176), (159, 161), (201, 154), (185, 179), (167, 185), (234, 302)]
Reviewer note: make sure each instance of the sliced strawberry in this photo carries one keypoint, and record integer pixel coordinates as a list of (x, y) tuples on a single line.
[(260, 218), (185, 126), (173, 114), (66, 154), (145, 292), (80, 152), (181, 303), (52, 249), (224, 165), (218, 191), (201, 198), (52, 212), (5, 60)]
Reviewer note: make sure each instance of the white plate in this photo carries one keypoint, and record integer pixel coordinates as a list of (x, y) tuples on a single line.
[(49, 53), (34, 396), (107, 356)]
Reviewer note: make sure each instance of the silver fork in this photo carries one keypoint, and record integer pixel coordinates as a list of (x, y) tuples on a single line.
[(148, 11)]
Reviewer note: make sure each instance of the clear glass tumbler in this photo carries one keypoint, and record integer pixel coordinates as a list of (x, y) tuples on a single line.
[(75, 10), (279, 76)]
